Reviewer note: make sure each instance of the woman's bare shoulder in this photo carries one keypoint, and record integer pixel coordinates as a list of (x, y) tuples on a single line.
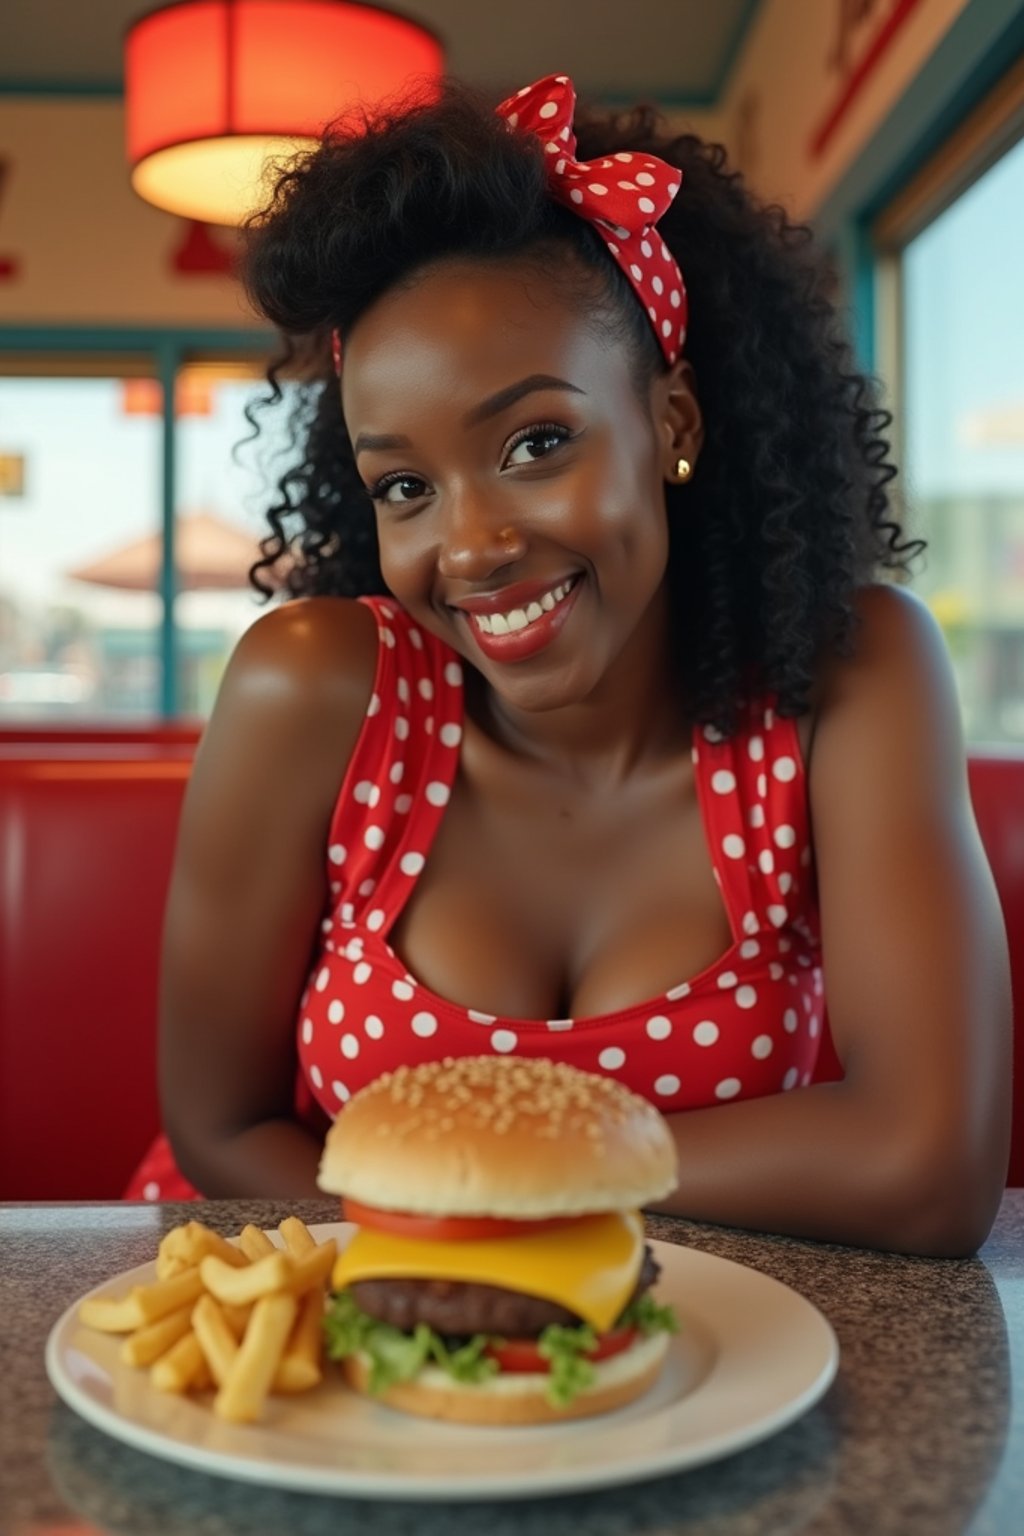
[(895, 627), (294, 695), (319, 647), (895, 688)]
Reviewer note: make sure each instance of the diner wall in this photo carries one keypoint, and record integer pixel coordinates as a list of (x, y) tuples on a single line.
[(802, 113), (814, 83), (78, 247)]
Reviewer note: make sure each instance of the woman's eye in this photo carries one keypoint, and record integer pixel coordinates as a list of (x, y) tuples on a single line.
[(536, 443), (401, 488)]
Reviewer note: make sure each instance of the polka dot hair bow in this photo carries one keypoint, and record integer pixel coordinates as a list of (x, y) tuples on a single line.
[(623, 195)]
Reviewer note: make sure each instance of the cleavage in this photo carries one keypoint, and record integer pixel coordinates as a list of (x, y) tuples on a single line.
[(542, 905)]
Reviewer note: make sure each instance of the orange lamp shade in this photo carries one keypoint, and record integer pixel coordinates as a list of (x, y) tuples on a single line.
[(213, 88)]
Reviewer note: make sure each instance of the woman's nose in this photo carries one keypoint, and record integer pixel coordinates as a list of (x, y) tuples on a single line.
[(477, 539)]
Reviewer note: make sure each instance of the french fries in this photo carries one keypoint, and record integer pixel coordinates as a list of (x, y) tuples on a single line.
[(245, 1318), (217, 1342), (237, 1319), (313, 1270), (143, 1304), (300, 1366), (298, 1239), (146, 1345), (252, 1371), (239, 1286), (255, 1243), (183, 1366), (186, 1246)]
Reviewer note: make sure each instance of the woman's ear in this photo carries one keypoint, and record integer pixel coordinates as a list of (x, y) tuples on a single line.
[(680, 424)]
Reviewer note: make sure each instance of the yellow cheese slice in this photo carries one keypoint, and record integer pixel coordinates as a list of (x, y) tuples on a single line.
[(591, 1267)]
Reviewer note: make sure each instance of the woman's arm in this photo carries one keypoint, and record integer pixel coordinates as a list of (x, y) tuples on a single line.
[(248, 892), (910, 1151)]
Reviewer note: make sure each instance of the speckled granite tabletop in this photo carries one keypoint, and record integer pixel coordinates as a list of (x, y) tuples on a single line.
[(922, 1431)]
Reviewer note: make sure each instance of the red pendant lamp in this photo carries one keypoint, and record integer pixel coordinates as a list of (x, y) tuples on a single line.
[(215, 87)]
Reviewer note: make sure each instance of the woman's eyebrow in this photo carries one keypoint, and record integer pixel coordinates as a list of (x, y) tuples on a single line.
[(378, 442), (369, 442), (496, 403)]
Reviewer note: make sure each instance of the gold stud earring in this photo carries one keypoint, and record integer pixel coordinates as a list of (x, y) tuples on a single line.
[(684, 469)]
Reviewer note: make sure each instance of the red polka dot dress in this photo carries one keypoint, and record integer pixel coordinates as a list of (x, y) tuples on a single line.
[(746, 1026)]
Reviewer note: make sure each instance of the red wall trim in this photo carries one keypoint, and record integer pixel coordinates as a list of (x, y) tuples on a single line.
[(855, 80)]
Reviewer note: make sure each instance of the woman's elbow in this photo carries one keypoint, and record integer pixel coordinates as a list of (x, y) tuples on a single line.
[(190, 1156), (944, 1202)]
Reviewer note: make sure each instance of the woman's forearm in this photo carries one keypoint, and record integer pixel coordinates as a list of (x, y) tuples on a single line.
[(821, 1163), (273, 1159)]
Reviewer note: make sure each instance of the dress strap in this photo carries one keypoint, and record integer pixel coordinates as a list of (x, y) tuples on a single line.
[(753, 794), (401, 773)]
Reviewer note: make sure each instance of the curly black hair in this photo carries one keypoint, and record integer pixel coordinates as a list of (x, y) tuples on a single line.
[(789, 512)]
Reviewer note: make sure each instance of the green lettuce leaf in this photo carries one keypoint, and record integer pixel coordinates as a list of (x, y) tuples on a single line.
[(468, 1362), (395, 1356), (647, 1316), (571, 1374)]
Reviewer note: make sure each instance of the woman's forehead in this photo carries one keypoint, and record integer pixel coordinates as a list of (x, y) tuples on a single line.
[(467, 329)]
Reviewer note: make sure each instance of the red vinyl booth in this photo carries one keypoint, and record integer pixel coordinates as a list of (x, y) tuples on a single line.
[(87, 834), (87, 830)]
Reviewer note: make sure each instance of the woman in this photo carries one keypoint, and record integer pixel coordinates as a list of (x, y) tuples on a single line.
[(591, 732)]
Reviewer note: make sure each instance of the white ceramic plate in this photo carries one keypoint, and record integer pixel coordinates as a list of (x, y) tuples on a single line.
[(751, 1356)]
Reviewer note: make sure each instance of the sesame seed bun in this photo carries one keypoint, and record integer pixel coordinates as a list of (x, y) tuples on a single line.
[(498, 1136), (515, 1399)]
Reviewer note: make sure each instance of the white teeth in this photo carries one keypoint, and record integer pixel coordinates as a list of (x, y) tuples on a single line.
[(518, 618)]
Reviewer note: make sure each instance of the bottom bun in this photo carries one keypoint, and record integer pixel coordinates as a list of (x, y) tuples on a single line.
[(516, 1399)]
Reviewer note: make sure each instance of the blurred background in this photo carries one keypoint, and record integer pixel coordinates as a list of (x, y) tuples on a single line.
[(129, 514)]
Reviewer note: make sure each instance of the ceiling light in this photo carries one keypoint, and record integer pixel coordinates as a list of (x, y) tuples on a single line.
[(215, 88)]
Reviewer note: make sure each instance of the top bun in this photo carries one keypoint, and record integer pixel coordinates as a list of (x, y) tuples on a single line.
[(498, 1136)]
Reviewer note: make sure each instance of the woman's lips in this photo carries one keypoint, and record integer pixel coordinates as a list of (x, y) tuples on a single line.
[(512, 634)]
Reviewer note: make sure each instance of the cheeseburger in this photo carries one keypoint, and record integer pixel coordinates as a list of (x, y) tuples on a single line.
[(499, 1273)]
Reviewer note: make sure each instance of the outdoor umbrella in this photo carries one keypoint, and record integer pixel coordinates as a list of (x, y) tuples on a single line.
[(209, 555)]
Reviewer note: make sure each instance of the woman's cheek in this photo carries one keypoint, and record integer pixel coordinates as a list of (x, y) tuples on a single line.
[(406, 565)]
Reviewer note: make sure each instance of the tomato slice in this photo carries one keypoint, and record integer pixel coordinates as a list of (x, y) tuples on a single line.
[(447, 1229), (521, 1356)]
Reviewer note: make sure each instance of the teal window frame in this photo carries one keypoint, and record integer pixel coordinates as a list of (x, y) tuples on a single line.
[(980, 47)]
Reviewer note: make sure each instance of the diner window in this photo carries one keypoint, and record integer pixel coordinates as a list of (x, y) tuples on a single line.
[(79, 479), (82, 487), (955, 244)]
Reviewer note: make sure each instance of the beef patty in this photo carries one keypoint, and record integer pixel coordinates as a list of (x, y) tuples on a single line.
[(456, 1309)]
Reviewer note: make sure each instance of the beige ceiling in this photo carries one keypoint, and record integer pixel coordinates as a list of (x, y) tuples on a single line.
[(672, 51)]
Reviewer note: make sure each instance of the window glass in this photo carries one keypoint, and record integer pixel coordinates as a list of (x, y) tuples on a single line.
[(222, 495), (81, 544), (79, 506), (964, 445)]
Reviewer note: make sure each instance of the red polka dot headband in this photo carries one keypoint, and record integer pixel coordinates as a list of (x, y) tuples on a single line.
[(622, 195)]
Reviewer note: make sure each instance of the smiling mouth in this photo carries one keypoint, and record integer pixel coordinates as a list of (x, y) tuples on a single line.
[(516, 619)]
